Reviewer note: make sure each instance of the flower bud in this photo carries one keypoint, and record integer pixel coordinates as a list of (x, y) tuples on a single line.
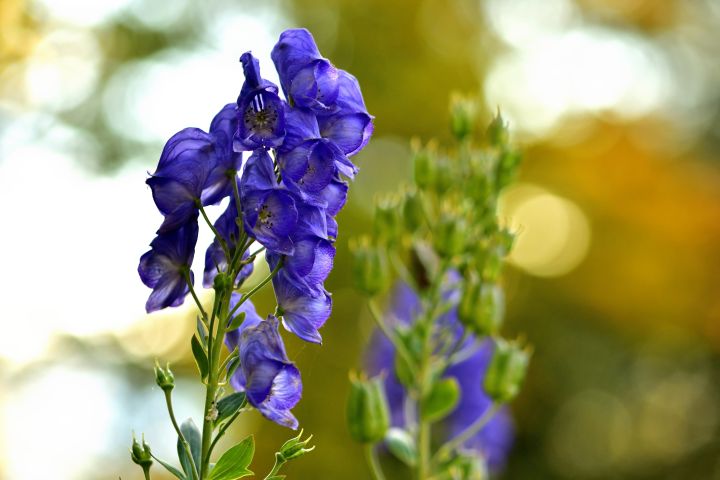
[(481, 307), (387, 221), (497, 132), (506, 372), (508, 163), (462, 116), (367, 410), (450, 236), (164, 377), (371, 271), (413, 211), (140, 453), (222, 282), (423, 167), (295, 447)]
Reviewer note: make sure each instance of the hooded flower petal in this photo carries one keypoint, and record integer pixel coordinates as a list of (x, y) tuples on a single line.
[(303, 311), (309, 265), (270, 379), (163, 267), (219, 182)]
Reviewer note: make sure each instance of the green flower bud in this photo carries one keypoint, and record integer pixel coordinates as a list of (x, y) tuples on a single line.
[(388, 224), (295, 447), (450, 236), (423, 166), (140, 453), (371, 271), (481, 307), (368, 416), (497, 132), (462, 116), (164, 377), (222, 282), (444, 176), (413, 211), (506, 372), (508, 162)]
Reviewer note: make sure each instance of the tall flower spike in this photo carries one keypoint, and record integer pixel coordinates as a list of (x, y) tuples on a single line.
[(181, 176), (271, 381), (261, 112), (164, 267)]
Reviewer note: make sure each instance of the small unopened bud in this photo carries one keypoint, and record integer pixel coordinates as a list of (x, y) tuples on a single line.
[(222, 282), (423, 165), (497, 132), (367, 410), (481, 307), (295, 447), (413, 211), (164, 377), (387, 221), (508, 163), (371, 271), (450, 236), (140, 453), (506, 372), (462, 116)]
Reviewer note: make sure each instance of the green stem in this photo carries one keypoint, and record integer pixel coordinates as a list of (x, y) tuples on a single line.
[(373, 462), (188, 280), (257, 287), (219, 237), (279, 462), (185, 444), (468, 433), (399, 346), (222, 430), (146, 472)]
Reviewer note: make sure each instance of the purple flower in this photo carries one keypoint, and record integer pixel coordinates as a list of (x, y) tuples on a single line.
[(215, 260), (309, 265), (219, 183), (308, 79), (303, 311), (495, 439), (270, 380), (181, 177), (269, 212), (165, 266), (232, 339), (261, 112)]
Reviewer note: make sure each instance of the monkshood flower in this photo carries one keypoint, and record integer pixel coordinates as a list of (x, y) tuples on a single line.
[(166, 267), (494, 440), (309, 265), (270, 380), (261, 111), (304, 311), (220, 180)]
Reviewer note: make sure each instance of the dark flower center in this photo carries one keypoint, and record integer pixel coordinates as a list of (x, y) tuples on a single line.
[(265, 217), (260, 117)]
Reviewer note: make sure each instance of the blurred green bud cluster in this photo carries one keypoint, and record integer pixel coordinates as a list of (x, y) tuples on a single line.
[(482, 306), (371, 271), (507, 369), (368, 414), (140, 453), (463, 111)]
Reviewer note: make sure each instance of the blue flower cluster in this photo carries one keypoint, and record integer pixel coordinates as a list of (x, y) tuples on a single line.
[(492, 442), (292, 185)]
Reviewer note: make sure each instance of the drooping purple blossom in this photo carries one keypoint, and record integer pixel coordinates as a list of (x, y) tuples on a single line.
[(493, 442), (165, 266), (270, 380), (219, 183), (304, 311)]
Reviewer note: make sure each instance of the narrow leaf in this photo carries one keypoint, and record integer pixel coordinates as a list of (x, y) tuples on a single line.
[(170, 468), (236, 322), (233, 464), (202, 333), (442, 399), (229, 405), (232, 366), (192, 435), (200, 356)]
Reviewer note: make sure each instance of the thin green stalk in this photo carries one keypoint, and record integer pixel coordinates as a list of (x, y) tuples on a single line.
[(188, 280), (146, 472), (468, 433), (257, 287), (399, 346), (219, 237), (185, 444), (222, 430), (373, 462)]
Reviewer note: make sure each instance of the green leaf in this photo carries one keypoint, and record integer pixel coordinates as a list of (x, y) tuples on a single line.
[(401, 444), (200, 356), (232, 366), (192, 435), (236, 322), (229, 405), (202, 332), (170, 468), (442, 399), (233, 464)]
